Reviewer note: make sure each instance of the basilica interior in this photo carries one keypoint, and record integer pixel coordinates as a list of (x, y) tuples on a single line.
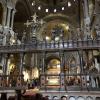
[(50, 47)]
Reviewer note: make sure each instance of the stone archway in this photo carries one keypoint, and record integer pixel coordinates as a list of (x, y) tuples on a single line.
[(63, 98), (80, 98), (72, 98), (89, 98), (1, 13)]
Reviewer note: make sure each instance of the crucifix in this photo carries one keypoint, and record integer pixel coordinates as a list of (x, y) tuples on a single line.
[(28, 23), (34, 18)]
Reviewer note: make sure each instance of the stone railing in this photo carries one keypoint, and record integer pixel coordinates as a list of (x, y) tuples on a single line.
[(12, 82), (70, 82), (63, 45)]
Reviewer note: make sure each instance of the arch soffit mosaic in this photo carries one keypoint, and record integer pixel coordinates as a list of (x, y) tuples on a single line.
[(52, 18)]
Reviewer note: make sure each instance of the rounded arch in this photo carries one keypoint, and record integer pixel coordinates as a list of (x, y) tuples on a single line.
[(1, 12), (53, 67), (80, 98), (63, 98), (72, 98), (58, 16), (50, 57), (64, 22), (89, 98), (55, 98)]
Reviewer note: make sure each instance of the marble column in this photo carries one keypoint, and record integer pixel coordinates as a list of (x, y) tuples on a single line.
[(81, 60), (86, 19), (21, 62), (86, 9), (43, 77), (62, 78), (4, 69), (8, 16), (5, 60), (4, 16), (12, 19), (83, 77), (61, 62), (93, 83), (43, 63), (21, 69), (97, 65)]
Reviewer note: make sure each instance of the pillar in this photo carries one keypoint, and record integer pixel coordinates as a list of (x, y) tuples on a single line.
[(62, 78), (81, 60), (86, 9), (86, 19), (92, 82), (8, 16), (5, 60), (4, 79), (3, 96), (97, 65), (43, 77), (62, 62), (18, 94), (21, 66), (43, 63), (12, 19), (4, 16), (83, 77)]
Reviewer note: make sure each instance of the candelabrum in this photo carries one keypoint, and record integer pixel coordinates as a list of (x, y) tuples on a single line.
[(35, 24)]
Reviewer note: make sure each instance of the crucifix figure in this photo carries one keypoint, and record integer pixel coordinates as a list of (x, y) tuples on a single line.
[(28, 23), (34, 18)]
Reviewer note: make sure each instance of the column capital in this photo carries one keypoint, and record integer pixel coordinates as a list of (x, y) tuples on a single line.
[(14, 10), (10, 7)]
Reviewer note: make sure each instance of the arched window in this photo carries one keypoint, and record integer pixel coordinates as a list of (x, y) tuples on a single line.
[(53, 67), (72, 98), (55, 98), (1, 13), (80, 98), (63, 98), (89, 98)]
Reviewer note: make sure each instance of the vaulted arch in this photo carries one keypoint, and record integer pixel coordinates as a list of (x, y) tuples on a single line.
[(22, 13)]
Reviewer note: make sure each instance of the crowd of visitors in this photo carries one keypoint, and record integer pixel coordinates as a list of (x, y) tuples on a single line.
[(36, 96)]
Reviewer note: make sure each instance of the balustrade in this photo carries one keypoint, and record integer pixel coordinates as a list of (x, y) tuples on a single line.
[(66, 45), (11, 82), (72, 82)]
